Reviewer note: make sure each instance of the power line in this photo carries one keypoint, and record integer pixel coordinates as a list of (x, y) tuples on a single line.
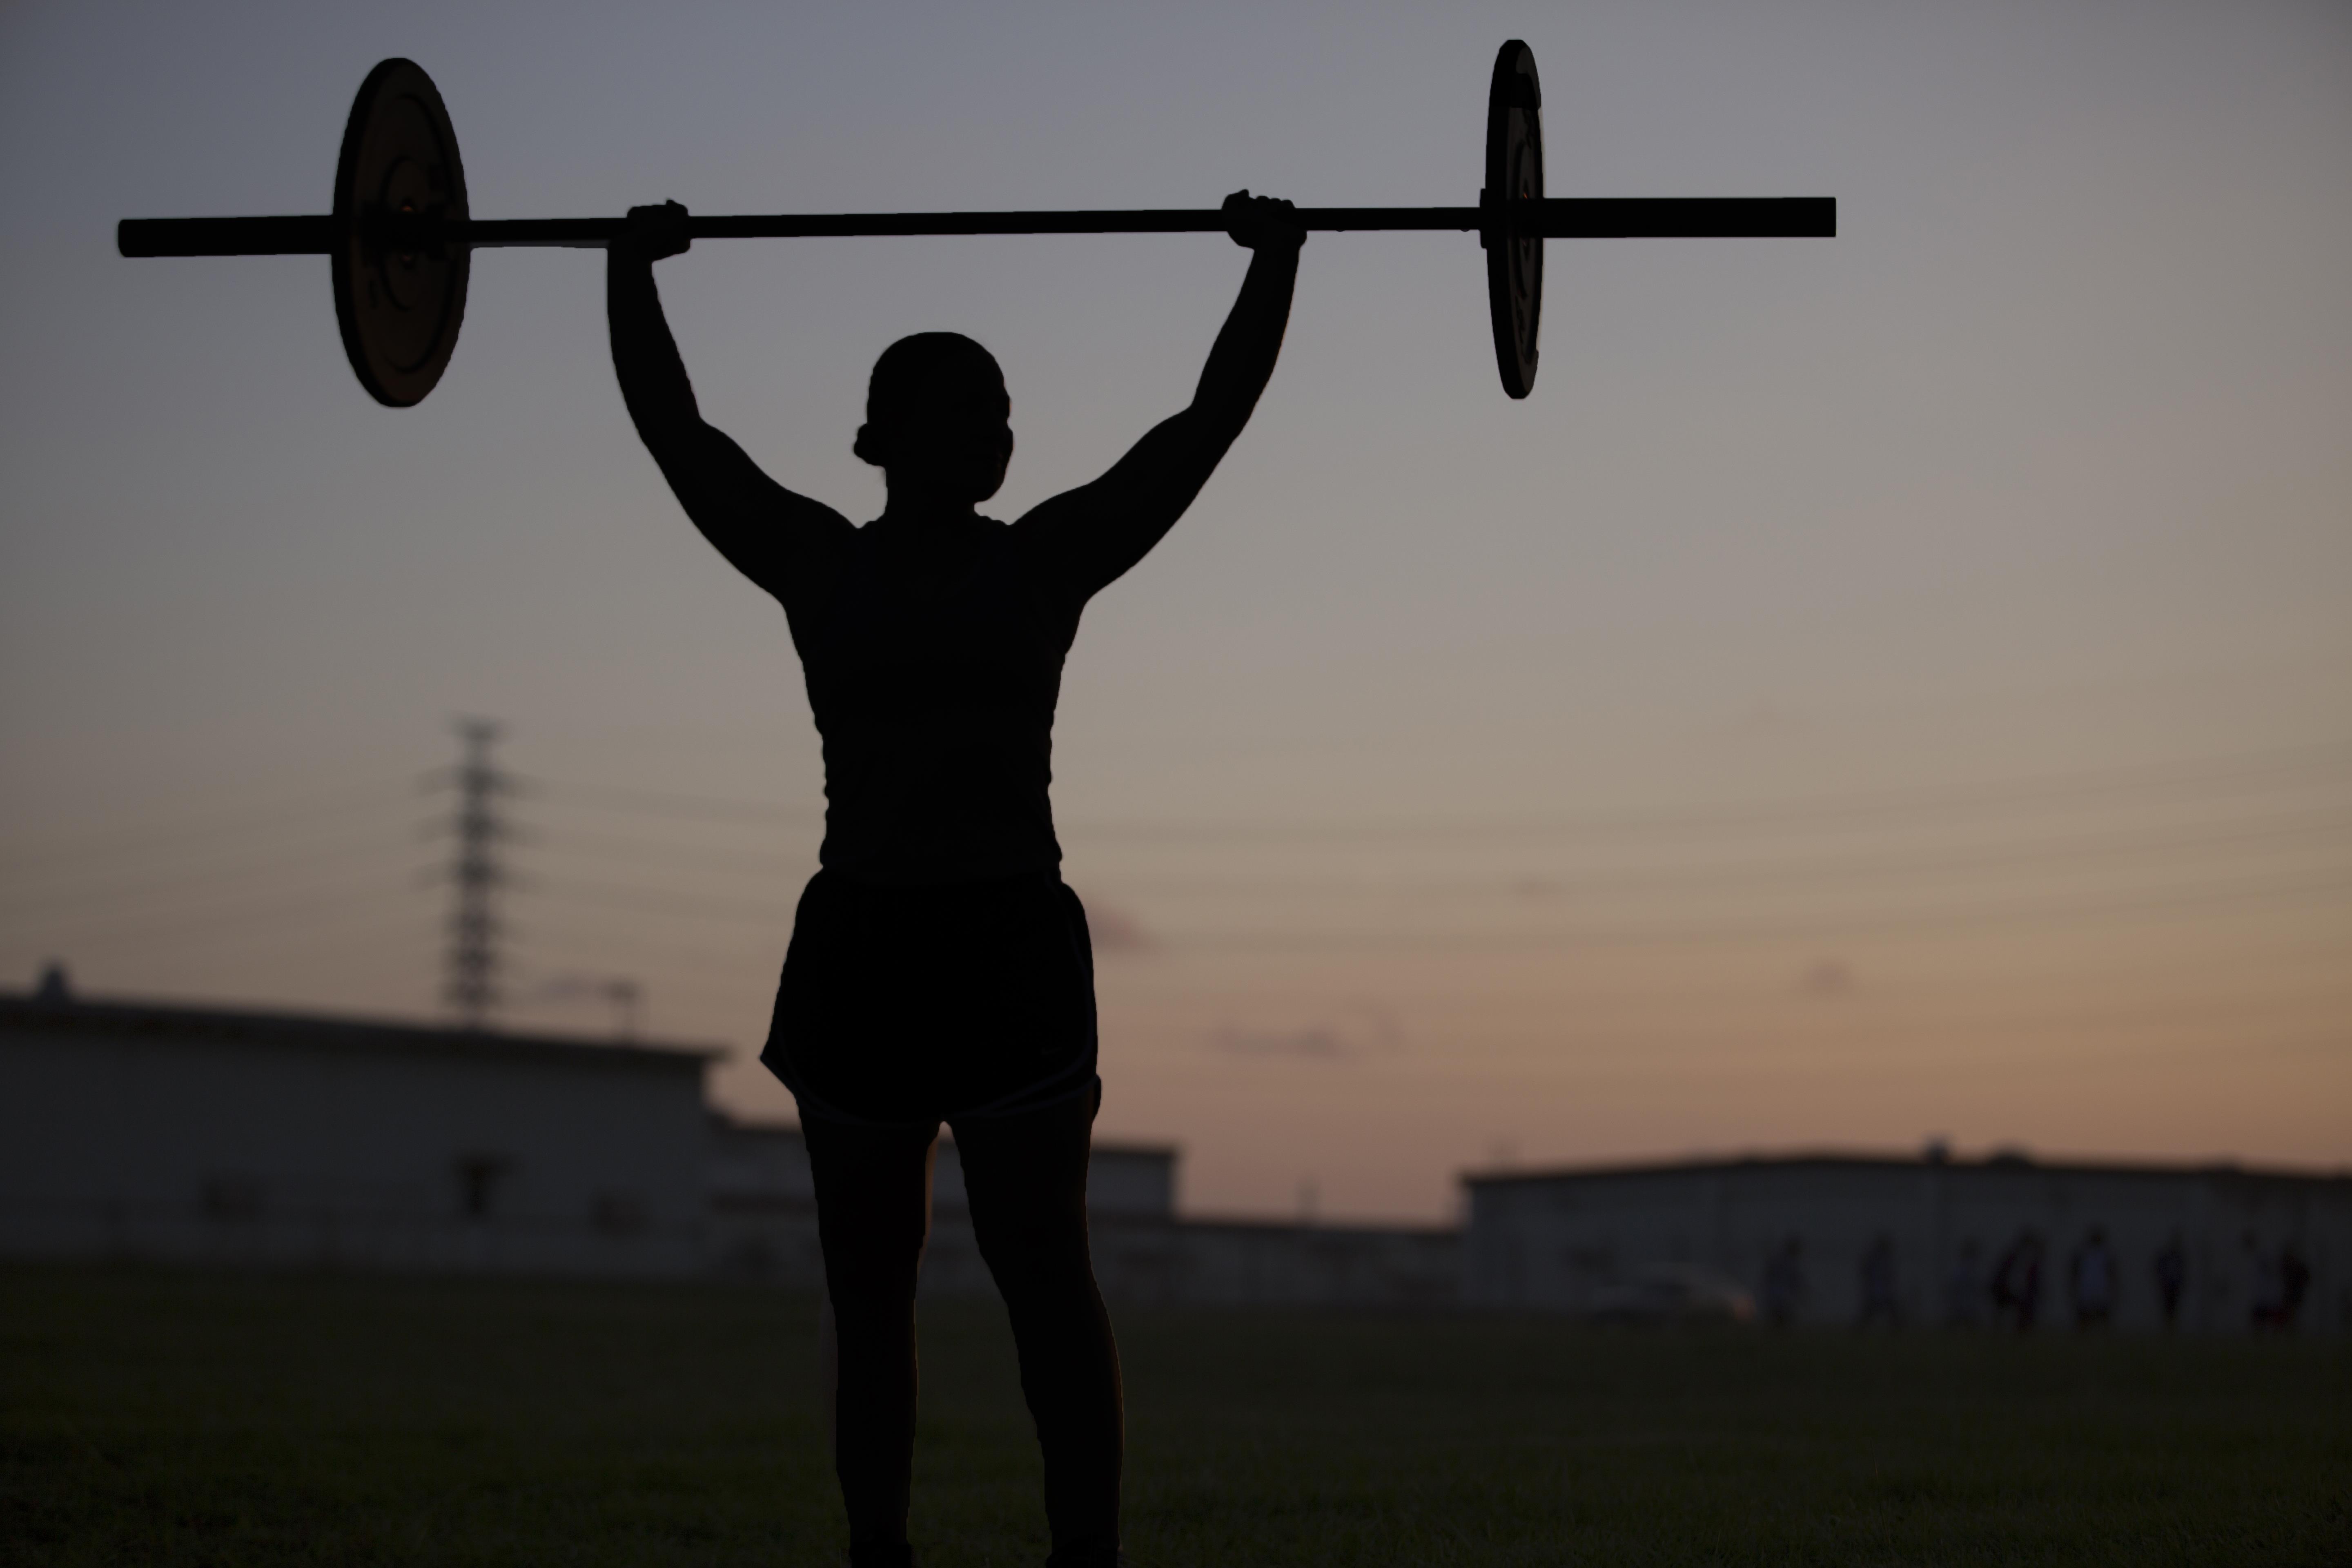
[(224, 919), (1530, 887), (640, 897), (1861, 925), (144, 886), (107, 842), (2250, 769), (2039, 852), (2281, 967), (2241, 769), (753, 956), (473, 959), (1991, 1050), (756, 973), (1863, 922), (2284, 827), (616, 895), (2202, 1012), (754, 863), (2192, 776), (664, 802)]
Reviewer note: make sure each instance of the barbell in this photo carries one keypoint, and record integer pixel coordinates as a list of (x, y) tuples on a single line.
[(400, 236)]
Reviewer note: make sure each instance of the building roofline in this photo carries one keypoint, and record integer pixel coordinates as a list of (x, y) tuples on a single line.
[(24, 1011), (2012, 1163)]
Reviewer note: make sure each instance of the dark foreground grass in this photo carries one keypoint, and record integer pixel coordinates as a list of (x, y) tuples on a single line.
[(241, 1419)]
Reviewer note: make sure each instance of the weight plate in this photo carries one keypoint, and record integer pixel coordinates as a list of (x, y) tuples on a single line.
[(1514, 169), (399, 309)]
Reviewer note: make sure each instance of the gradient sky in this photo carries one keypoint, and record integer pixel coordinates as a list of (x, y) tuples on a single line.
[(1875, 688)]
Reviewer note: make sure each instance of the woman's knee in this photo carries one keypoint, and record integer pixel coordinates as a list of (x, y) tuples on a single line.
[(1032, 1252)]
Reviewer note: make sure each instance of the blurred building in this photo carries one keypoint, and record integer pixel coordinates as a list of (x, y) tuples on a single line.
[(762, 1205), (198, 1134), (205, 1135), (2005, 1242), (182, 1135), (763, 1226)]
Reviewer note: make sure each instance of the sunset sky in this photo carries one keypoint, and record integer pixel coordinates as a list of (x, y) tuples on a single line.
[(1875, 689)]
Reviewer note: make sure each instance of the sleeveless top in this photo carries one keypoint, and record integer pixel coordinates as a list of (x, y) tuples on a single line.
[(934, 691)]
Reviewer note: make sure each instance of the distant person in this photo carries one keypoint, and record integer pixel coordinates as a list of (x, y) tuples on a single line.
[(2295, 1284), (938, 970), (2171, 1268), (2091, 1278), (1964, 1288), (2003, 1287), (1783, 1290), (2286, 1281), (2017, 1282), (1878, 1299)]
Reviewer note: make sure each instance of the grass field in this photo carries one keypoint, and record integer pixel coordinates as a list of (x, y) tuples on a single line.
[(241, 1419)]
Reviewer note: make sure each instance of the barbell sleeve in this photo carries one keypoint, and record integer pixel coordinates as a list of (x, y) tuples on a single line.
[(308, 236), (1683, 217)]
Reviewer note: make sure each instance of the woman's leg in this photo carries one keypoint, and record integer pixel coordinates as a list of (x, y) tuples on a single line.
[(1025, 1177), (873, 1210)]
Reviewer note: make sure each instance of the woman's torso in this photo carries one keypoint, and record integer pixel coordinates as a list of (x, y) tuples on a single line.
[(933, 666)]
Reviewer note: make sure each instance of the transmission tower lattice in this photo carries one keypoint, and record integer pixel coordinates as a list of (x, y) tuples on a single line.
[(470, 982)]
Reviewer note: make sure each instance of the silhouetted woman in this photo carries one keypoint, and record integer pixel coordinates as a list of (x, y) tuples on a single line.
[(938, 969)]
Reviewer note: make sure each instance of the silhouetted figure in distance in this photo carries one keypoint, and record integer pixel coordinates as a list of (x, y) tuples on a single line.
[(1879, 1301), (2091, 1276), (2295, 1284), (2281, 1286), (938, 970), (2017, 1281), (2171, 1267)]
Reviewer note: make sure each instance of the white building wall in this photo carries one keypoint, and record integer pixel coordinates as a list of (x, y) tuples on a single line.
[(177, 1135), (1557, 1242)]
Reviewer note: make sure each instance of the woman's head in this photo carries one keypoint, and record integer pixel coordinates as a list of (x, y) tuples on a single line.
[(938, 420)]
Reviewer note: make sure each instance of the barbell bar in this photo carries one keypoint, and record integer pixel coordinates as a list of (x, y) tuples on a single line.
[(400, 233), (1554, 217)]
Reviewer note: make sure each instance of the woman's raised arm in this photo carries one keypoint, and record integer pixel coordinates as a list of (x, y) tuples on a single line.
[(768, 532), (1096, 531)]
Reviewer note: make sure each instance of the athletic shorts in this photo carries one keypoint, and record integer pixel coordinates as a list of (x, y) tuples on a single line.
[(901, 1005)]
